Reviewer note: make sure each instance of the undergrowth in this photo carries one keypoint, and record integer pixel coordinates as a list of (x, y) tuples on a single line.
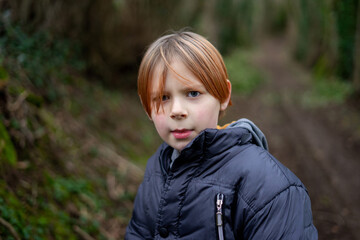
[(327, 91), (245, 77), (39, 59), (57, 178)]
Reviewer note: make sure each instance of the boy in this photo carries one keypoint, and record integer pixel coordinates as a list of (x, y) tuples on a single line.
[(204, 182)]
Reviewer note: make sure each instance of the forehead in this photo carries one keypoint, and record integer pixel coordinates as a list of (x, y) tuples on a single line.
[(176, 70)]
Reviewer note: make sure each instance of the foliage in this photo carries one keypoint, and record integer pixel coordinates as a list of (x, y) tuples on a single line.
[(41, 57), (62, 184), (114, 34), (92, 103), (226, 13), (325, 91), (277, 17), (244, 77), (4, 76), (325, 31), (37, 199), (7, 150), (239, 23), (40, 217), (346, 14)]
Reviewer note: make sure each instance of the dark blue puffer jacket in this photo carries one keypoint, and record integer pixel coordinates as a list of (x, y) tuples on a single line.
[(262, 198)]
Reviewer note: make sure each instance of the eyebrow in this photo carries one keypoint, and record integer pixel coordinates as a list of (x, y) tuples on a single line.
[(193, 87)]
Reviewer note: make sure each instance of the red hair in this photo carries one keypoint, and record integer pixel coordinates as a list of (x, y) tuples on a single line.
[(195, 52)]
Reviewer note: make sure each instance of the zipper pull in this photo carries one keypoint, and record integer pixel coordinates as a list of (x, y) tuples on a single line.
[(219, 202), (219, 222)]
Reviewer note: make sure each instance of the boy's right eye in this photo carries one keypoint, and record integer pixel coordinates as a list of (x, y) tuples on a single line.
[(164, 98)]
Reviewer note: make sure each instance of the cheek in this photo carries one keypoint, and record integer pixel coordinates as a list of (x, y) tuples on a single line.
[(207, 116), (159, 122)]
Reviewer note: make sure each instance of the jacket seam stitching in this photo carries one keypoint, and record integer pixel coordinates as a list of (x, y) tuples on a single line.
[(160, 213), (272, 199), (277, 164), (248, 202), (181, 205), (214, 183)]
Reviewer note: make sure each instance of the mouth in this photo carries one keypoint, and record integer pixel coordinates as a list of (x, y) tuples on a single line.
[(181, 133)]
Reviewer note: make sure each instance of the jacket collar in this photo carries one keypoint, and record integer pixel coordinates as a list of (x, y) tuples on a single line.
[(205, 146)]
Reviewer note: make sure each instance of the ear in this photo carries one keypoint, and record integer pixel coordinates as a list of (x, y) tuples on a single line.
[(225, 104)]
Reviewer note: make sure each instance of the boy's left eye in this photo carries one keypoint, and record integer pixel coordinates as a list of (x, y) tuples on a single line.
[(193, 94)]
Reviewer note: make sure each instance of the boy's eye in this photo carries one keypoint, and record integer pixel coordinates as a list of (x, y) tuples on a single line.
[(193, 94), (164, 98)]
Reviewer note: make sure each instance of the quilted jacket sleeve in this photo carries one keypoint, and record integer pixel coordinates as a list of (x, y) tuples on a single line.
[(132, 232), (137, 228), (286, 216)]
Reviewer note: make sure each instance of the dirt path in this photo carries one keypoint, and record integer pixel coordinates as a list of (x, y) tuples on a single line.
[(307, 141)]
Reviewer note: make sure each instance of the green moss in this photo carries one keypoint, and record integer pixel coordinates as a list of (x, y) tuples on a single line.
[(35, 100), (7, 150), (4, 76), (47, 218)]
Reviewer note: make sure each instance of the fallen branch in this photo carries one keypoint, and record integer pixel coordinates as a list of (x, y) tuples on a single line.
[(10, 228), (16, 105)]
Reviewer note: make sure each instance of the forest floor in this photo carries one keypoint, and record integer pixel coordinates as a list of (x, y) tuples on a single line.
[(321, 145)]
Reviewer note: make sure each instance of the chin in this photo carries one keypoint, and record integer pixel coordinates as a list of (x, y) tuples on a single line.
[(179, 147)]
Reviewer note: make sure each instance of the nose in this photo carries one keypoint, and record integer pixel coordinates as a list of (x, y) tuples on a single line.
[(178, 110)]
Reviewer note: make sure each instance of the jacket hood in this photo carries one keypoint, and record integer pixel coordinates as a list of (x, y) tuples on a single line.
[(211, 142), (258, 136), (238, 132)]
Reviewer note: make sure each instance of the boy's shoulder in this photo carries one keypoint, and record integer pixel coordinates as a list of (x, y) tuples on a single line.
[(260, 176)]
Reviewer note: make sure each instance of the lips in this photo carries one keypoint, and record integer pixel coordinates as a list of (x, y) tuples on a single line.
[(181, 133)]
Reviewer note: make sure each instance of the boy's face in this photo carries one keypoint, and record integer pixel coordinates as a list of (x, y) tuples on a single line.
[(186, 110)]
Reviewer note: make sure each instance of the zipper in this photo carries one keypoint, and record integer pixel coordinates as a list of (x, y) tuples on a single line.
[(219, 221)]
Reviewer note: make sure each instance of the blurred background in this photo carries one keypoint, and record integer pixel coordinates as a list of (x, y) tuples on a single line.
[(74, 139)]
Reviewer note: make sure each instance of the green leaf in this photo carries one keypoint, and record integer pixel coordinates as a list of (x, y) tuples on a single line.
[(7, 150)]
